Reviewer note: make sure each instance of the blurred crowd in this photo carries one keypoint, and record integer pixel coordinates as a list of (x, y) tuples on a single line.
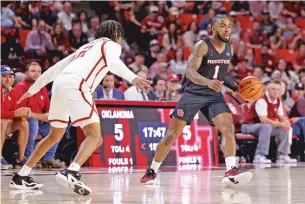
[(268, 40)]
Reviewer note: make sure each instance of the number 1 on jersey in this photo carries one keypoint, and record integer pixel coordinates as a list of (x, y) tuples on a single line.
[(216, 72)]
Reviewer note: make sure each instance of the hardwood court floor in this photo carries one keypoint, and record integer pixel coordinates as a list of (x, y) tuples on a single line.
[(280, 184)]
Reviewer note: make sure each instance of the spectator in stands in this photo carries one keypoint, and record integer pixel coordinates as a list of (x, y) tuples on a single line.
[(138, 64), (267, 59), (83, 18), (38, 117), (160, 88), (191, 35), (38, 42), (265, 118), (94, 24), (170, 39), (138, 12), (299, 60), (298, 110), (23, 12), (289, 76), (154, 50), (11, 49), (241, 8), (204, 24), (160, 66), (275, 8), (236, 27), (267, 25), (257, 7), (288, 25), (66, 16), (254, 37), (107, 90), (153, 23), (60, 39), (11, 118), (76, 37), (277, 40), (173, 17), (287, 101), (296, 40), (178, 64), (47, 15), (135, 94), (298, 91), (260, 74), (8, 17), (301, 74), (173, 85), (243, 69), (249, 56)]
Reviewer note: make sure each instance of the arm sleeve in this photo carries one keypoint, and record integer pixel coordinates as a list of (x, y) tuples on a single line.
[(50, 74), (228, 82), (112, 52), (261, 108)]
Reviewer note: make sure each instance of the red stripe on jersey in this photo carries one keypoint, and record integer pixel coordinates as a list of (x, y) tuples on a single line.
[(91, 105), (55, 120)]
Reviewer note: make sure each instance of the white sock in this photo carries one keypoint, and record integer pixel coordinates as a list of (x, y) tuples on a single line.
[(24, 171), (230, 162), (74, 166), (155, 165)]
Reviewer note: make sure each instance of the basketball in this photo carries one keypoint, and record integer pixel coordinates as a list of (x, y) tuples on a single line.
[(250, 88)]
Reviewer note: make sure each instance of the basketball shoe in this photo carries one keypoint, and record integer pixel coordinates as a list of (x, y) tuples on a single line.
[(71, 179), (149, 177), (236, 176), (24, 183)]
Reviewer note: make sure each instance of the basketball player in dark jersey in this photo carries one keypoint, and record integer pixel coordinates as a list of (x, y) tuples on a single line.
[(205, 76)]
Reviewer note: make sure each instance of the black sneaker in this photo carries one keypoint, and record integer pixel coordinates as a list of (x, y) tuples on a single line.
[(24, 183), (71, 179), (149, 177)]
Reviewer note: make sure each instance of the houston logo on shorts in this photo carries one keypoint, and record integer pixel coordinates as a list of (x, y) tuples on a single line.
[(180, 113)]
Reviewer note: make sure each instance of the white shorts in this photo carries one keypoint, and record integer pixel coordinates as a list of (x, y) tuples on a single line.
[(71, 98)]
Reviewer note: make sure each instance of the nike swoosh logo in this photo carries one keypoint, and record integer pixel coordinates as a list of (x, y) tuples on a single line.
[(233, 181), (251, 90)]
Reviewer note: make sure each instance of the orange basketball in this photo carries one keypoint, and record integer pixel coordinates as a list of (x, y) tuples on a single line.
[(250, 88)]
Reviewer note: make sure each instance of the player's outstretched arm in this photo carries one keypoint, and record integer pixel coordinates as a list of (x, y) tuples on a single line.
[(48, 76), (193, 65), (117, 67)]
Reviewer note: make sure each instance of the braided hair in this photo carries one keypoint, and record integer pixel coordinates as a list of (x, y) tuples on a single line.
[(108, 29)]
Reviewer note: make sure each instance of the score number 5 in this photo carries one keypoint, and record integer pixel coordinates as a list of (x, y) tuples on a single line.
[(118, 132)]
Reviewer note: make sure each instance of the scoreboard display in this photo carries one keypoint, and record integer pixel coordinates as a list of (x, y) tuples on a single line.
[(132, 131)]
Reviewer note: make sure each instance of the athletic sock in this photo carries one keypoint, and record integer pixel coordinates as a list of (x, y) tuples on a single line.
[(155, 165), (74, 167), (24, 171), (230, 162)]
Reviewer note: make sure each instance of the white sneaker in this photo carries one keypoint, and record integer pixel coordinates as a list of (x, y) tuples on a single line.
[(285, 159), (261, 159), (71, 179)]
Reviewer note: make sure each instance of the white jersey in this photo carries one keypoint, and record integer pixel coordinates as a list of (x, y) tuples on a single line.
[(90, 62)]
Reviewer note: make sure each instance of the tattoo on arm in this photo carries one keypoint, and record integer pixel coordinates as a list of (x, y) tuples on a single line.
[(194, 63)]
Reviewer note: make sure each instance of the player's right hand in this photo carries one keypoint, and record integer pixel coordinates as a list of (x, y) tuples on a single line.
[(26, 95), (141, 83), (215, 84)]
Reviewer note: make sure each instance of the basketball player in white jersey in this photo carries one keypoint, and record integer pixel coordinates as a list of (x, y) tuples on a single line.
[(75, 77)]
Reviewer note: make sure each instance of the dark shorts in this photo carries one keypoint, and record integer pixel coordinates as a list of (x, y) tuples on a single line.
[(210, 106)]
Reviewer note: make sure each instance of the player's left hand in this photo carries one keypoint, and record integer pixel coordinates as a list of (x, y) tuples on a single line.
[(26, 95), (141, 83)]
